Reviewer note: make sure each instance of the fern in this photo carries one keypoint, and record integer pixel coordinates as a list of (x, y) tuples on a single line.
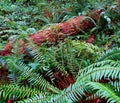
[(35, 79), (105, 91), (95, 72), (105, 67), (116, 85), (78, 89), (8, 91), (73, 93), (66, 53), (36, 99), (113, 54), (46, 57), (82, 45)]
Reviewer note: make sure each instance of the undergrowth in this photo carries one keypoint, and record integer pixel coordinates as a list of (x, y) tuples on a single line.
[(71, 71)]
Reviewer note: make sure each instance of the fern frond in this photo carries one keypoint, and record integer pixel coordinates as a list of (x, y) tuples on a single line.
[(105, 91), (68, 58), (99, 73), (35, 79), (46, 57), (35, 99), (72, 94), (79, 88), (77, 91), (8, 91), (102, 63), (87, 46), (113, 54), (96, 71), (9, 31), (99, 70), (116, 85)]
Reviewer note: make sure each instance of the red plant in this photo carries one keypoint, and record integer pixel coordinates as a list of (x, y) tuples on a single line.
[(62, 81), (91, 38), (9, 101)]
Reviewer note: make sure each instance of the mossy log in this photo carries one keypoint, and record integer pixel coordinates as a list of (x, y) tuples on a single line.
[(57, 32)]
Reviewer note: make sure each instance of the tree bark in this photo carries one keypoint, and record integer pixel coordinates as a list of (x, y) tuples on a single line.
[(68, 28)]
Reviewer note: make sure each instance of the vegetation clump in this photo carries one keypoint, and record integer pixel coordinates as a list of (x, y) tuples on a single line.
[(66, 53)]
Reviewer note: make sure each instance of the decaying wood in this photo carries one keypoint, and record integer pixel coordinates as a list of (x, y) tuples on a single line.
[(59, 31)]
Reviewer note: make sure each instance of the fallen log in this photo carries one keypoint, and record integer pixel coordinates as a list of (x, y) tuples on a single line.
[(59, 31)]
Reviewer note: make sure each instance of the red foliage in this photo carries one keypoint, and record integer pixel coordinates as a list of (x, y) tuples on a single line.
[(62, 81), (9, 101), (7, 49), (3, 75), (91, 38), (5, 53), (96, 100), (48, 14), (22, 46)]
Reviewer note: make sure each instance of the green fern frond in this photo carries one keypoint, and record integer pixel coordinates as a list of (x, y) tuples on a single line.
[(116, 85), (38, 81), (99, 73), (99, 70), (105, 91), (79, 88), (69, 60), (87, 46), (9, 31), (63, 56), (72, 94), (35, 99), (93, 96), (10, 91), (113, 54), (102, 63), (45, 20), (35, 79), (48, 25), (46, 57)]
